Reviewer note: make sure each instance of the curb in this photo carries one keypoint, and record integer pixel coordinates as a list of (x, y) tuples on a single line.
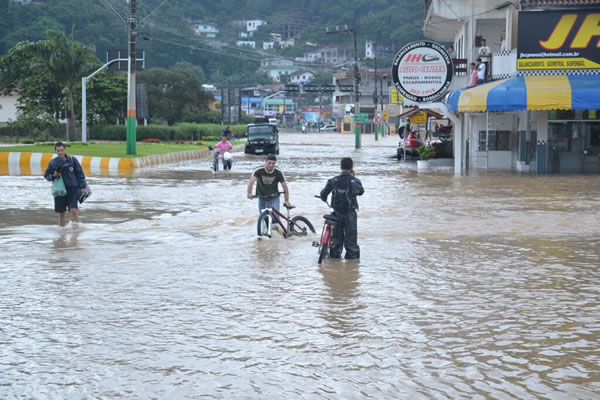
[(24, 163)]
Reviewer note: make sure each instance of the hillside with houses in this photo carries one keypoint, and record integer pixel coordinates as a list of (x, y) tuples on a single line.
[(240, 42)]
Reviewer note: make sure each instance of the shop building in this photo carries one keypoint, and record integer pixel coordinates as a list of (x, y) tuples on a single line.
[(538, 109)]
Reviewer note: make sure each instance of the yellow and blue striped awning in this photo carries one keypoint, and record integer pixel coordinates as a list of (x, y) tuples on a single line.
[(553, 92)]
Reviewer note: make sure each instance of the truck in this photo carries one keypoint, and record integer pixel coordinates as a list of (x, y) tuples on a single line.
[(263, 138)]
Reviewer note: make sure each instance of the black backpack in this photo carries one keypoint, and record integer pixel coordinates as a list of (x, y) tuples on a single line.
[(342, 194)]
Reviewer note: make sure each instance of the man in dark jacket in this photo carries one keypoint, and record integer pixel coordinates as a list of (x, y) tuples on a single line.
[(69, 168), (344, 188)]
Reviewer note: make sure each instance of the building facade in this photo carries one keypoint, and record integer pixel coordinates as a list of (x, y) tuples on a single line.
[(536, 111)]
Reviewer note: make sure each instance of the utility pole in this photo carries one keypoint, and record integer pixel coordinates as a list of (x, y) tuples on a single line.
[(375, 94), (381, 103), (353, 31), (131, 107)]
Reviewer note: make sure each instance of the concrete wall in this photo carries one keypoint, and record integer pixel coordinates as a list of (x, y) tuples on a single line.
[(8, 109)]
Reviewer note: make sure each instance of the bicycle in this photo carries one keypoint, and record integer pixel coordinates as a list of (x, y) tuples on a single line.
[(296, 226), (329, 225), (215, 160)]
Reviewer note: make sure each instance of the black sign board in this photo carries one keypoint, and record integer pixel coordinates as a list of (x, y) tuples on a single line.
[(292, 88), (319, 88), (346, 88), (559, 39)]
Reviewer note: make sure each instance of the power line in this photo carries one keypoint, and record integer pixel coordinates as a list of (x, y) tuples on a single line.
[(106, 3), (153, 11)]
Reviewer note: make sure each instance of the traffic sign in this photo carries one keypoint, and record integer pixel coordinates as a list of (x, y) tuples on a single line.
[(361, 117), (385, 115)]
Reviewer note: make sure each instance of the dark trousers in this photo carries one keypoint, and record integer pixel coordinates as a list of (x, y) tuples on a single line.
[(345, 236)]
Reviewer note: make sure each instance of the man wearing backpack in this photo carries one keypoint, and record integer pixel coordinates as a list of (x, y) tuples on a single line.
[(344, 188)]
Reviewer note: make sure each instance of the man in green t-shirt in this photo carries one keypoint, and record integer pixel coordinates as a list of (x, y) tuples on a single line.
[(267, 180)]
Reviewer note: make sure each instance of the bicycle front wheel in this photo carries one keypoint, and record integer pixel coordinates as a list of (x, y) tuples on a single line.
[(323, 253), (263, 224), (300, 226)]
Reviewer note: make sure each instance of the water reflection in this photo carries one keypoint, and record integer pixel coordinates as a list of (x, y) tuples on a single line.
[(476, 286), (341, 279)]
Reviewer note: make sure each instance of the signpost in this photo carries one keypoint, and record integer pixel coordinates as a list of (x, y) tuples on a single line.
[(361, 118)]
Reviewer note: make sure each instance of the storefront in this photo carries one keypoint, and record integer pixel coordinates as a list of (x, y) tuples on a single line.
[(548, 119)]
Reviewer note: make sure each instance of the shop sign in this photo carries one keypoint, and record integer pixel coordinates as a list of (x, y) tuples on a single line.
[(559, 39), (419, 118), (395, 97), (422, 71)]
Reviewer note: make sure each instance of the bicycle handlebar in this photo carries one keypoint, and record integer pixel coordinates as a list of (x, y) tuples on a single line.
[(324, 201), (257, 196)]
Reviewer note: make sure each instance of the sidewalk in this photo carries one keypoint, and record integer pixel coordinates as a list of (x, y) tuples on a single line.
[(24, 163)]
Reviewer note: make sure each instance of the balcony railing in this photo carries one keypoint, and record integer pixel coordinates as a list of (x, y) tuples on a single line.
[(461, 66), (504, 64)]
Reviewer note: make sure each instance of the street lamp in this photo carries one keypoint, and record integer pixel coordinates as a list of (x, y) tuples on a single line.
[(84, 100)]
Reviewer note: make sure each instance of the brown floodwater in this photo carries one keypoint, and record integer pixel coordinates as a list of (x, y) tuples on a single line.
[(476, 286)]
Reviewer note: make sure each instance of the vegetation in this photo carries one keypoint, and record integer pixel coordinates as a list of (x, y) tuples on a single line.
[(114, 150), (426, 152), (102, 26)]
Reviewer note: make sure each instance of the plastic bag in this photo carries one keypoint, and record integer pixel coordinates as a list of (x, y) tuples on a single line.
[(227, 156), (58, 187), (87, 192)]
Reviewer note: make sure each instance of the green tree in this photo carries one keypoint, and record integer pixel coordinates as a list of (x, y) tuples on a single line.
[(67, 62), (172, 93), (39, 94), (106, 97), (190, 68), (322, 78)]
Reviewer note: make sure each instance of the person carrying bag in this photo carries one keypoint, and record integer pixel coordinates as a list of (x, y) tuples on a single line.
[(65, 172)]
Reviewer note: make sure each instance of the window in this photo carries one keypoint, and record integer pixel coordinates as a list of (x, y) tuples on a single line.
[(495, 141), (482, 141)]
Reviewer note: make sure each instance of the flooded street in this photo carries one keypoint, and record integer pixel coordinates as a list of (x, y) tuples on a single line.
[(480, 286)]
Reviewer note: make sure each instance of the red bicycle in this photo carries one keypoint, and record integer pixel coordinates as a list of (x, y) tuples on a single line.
[(329, 225)]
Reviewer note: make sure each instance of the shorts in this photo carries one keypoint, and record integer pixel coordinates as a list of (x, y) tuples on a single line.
[(69, 201)]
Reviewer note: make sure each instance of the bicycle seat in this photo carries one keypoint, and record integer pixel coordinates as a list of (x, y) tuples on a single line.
[(290, 207), (331, 217)]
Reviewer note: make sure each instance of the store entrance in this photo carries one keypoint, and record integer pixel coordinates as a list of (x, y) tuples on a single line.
[(574, 147)]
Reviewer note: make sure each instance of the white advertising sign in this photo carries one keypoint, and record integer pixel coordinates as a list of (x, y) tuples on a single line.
[(422, 71)]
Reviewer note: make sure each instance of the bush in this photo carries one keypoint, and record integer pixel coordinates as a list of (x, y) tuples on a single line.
[(165, 133), (28, 141), (426, 152)]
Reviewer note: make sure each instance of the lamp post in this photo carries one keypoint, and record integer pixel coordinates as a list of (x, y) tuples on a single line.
[(84, 99), (381, 103)]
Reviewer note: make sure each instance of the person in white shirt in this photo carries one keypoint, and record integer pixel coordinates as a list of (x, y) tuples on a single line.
[(503, 41), (481, 69), (484, 51)]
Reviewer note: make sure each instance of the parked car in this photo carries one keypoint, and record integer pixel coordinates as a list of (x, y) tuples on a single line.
[(326, 128), (262, 139)]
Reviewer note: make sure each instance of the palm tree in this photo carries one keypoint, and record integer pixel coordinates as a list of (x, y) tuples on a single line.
[(67, 61)]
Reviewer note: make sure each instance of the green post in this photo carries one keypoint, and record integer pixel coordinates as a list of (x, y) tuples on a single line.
[(131, 122), (357, 135), (376, 129)]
